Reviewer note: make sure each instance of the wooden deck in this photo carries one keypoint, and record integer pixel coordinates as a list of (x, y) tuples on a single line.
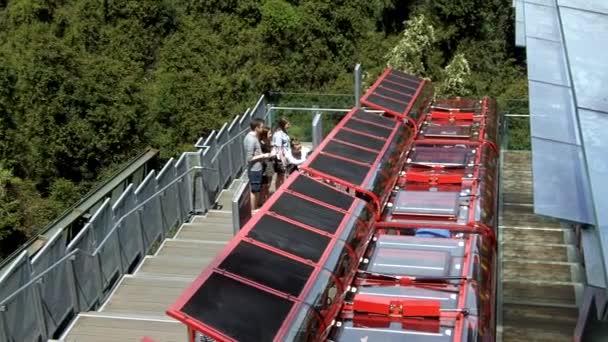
[(137, 306)]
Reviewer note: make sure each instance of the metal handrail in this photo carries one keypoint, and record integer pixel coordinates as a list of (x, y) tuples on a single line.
[(35, 279), (140, 205)]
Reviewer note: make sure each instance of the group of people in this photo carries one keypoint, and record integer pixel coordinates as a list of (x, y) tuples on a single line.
[(270, 155)]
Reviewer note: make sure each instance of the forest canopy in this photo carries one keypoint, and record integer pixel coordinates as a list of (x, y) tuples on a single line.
[(87, 84)]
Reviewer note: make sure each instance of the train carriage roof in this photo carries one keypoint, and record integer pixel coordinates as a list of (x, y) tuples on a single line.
[(256, 286)]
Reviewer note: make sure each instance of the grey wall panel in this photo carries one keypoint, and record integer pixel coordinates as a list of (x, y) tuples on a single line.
[(559, 188), (552, 113), (586, 40), (600, 6), (550, 3), (594, 126), (546, 62), (542, 22)]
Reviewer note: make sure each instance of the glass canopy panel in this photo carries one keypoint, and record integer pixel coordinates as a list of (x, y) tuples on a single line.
[(542, 22), (550, 3), (599, 6), (559, 187), (552, 113), (546, 62), (586, 39)]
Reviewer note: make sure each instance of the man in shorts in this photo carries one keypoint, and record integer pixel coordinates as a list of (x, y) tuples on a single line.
[(255, 158)]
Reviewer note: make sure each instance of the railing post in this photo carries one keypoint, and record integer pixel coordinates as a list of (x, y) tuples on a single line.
[(102, 277), (4, 337), (269, 118), (37, 297), (317, 129), (74, 282), (357, 84), (141, 228)]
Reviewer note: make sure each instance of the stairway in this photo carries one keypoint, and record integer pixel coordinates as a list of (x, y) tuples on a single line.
[(540, 271), (137, 306)]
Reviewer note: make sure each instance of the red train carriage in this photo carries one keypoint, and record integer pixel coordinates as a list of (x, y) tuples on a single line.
[(386, 234)]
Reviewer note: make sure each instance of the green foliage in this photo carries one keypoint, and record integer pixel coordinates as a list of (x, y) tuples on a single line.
[(86, 84), (456, 78)]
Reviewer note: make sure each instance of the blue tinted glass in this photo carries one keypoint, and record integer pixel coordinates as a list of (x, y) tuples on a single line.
[(559, 187), (586, 36), (589, 5), (546, 62), (542, 22), (552, 114), (594, 126)]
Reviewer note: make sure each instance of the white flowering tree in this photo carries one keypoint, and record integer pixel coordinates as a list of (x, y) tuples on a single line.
[(411, 51), (456, 77)]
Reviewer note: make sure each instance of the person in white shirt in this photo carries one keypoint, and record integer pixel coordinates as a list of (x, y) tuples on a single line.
[(281, 146), (296, 155)]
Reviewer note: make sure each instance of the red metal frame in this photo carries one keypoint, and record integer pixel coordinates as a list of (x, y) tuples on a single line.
[(175, 310), (331, 137), (382, 78)]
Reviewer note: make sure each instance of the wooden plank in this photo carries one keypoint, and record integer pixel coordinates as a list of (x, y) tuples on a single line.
[(107, 329), (145, 296)]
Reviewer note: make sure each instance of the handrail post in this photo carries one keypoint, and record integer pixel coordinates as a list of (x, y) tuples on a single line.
[(73, 283), (101, 276), (357, 84)]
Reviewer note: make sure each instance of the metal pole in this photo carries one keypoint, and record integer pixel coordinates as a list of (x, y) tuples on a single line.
[(357, 84)]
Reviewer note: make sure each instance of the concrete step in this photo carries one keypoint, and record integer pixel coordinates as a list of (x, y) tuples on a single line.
[(200, 233), (523, 312), (211, 226), (539, 251), (145, 296), (219, 214), (541, 292), (523, 175), (537, 235), (173, 267), (538, 332), (526, 269), (518, 197), (523, 216), (517, 157), (516, 186), (212, 220), (190, 248), (92, 327)]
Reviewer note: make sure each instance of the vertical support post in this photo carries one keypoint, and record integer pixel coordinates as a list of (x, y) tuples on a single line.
[(73, 283), (4, 333), (357, 84), (39, 308), (317, 129), (269, 118)]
